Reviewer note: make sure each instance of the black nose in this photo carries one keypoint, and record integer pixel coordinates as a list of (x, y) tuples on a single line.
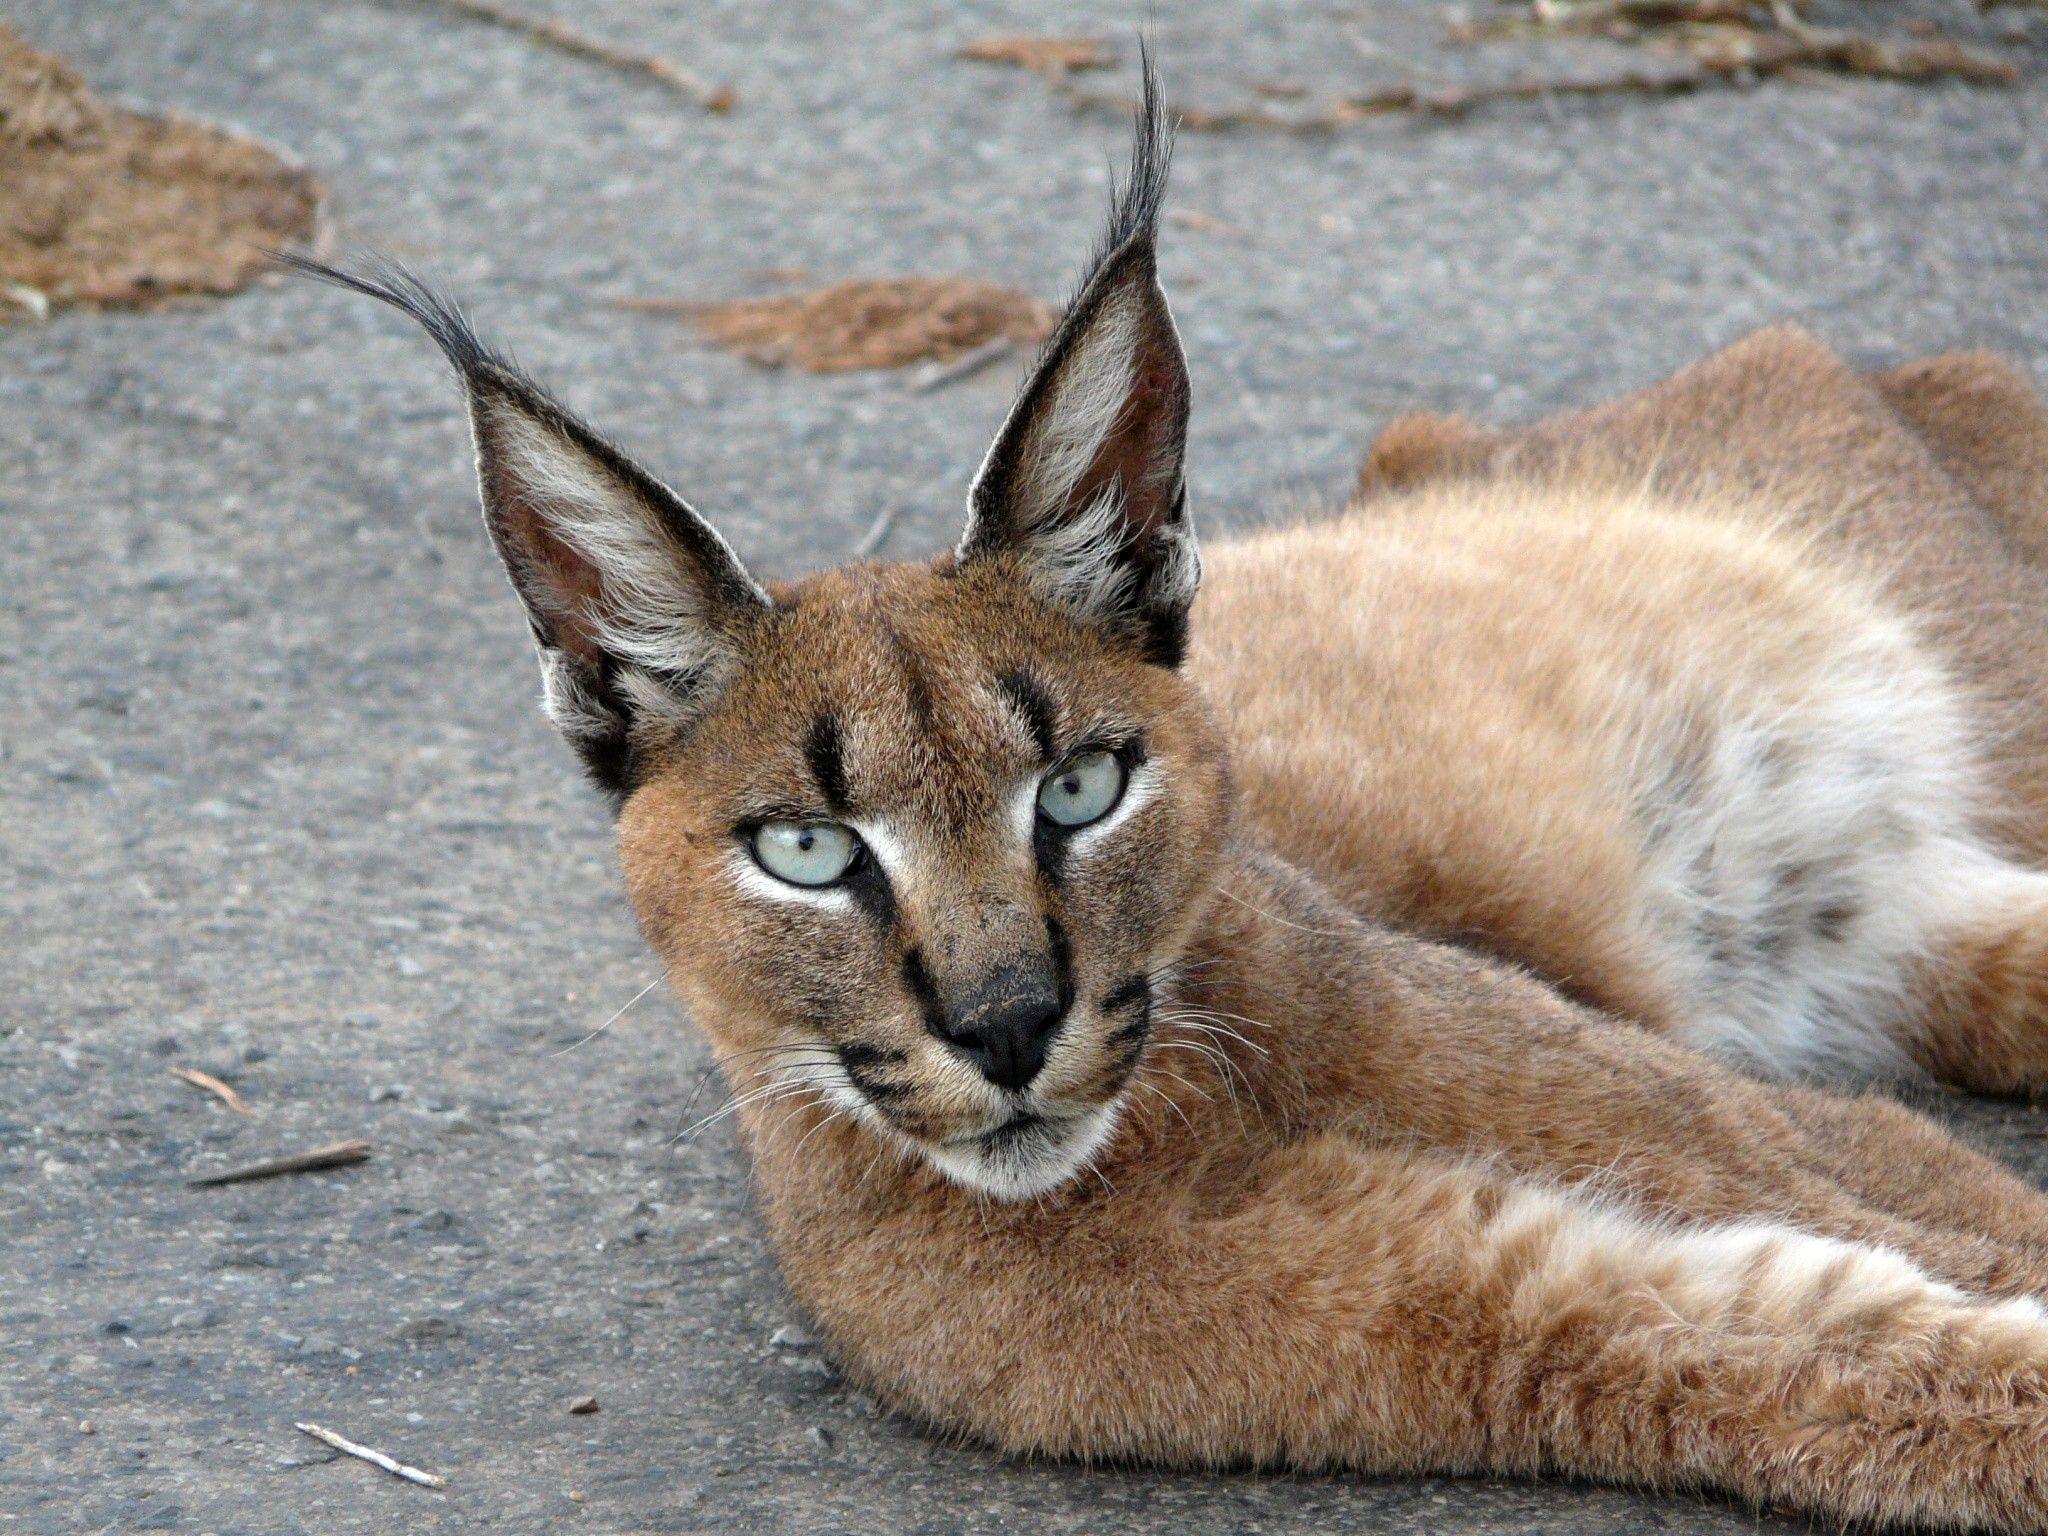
[(1006, 1028)]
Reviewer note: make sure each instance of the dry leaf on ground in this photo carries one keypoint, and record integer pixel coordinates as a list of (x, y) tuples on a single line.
[(110, 207), (874, 323), (1042, 55)]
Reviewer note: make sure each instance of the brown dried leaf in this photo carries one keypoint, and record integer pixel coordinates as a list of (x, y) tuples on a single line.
[(1041, 55), (875, 323)]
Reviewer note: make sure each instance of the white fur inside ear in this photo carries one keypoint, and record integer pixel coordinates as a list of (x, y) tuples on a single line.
[(653, 614), (566, 702), (1089, 397), (1079, 565)]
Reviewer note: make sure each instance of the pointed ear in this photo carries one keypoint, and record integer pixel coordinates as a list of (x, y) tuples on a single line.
[(1084, 487), (637, 605)]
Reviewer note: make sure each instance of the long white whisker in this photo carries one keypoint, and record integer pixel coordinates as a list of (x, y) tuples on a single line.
[(782, 1087), (1207, 1024), (1284, 922), (1191, 1087), (608, 1023), (1168, 1099), (827, 1058)]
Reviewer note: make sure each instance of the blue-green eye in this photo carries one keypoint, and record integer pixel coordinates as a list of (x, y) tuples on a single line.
[(1082, 789), (805, 852)]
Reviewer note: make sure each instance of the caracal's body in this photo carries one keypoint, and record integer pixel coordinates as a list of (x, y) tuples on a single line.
[(1741, 747), (1276, 1046)]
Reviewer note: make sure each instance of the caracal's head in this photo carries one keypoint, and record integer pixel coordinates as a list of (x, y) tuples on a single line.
[(919, 840)]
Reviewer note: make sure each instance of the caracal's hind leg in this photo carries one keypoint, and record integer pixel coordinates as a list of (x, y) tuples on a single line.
[(1977, 997)]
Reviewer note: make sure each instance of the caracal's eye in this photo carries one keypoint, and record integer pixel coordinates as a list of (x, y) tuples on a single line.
[(1082, 789), (805, 852)]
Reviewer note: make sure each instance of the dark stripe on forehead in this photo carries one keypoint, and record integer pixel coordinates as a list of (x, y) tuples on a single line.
[(827, 762), (1030, 700), (917, 688)]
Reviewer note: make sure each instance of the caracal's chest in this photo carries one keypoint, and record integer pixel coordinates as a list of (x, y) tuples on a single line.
[(1667, 760)]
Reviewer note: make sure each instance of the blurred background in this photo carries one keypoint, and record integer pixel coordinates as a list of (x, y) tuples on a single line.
[(276, 808)]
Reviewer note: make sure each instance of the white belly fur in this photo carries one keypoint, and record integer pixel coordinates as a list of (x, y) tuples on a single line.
[(1802, 852)]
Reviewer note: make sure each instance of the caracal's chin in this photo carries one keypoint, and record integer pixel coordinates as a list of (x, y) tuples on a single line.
[(1029, 1156)]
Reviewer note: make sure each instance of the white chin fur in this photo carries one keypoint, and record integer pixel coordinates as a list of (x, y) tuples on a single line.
[(1036, 1165)]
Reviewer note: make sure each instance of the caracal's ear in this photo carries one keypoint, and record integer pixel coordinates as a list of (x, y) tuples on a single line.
[(637, 604), (1084, 486)]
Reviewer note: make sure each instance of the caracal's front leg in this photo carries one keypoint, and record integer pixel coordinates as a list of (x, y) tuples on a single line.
[(1395, 1312), (1390, 1037)]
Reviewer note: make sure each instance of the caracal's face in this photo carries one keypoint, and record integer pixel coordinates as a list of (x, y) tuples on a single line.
[(929, 858), (918, 841)]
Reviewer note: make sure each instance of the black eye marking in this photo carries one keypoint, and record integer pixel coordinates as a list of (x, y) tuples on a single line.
[(918, 982), (1134, 990), (870, 890), (827, 761), (1062, 961), (862, 1062), (1128, 991), (1028, 697)]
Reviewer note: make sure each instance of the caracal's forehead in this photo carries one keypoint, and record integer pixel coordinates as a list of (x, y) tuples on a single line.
[(911, 691)]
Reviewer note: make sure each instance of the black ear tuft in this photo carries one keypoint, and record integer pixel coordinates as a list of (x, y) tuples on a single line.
[(1083, 489), (637, 605), (1134, 202), (383, 279)]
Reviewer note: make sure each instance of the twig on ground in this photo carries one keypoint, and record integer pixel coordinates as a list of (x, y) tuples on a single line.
[(338, 1155), (1705, 64), (877, 534), (1601, 18), (939, 375), (375, 1458), (34, 300), (1701, 45), (566, 39), (214, 1086)]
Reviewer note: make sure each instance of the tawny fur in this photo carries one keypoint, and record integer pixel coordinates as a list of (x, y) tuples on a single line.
[(1436, 1213), (1430, 1085)]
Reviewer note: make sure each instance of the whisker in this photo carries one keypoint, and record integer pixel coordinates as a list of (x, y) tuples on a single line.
[(1191, 1087), (608, 1023), (1230, 1070), (830, 1057), (782, 1087), (1207, 1023), (832, 1112), (1221, 1056), (1168, 1099), (1213, 1011), (1285, 922)]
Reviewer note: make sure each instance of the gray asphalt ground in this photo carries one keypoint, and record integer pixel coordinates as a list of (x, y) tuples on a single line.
[(275, 801)]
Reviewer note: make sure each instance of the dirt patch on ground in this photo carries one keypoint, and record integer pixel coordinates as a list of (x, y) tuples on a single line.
[(880, 323), (105, 207)]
